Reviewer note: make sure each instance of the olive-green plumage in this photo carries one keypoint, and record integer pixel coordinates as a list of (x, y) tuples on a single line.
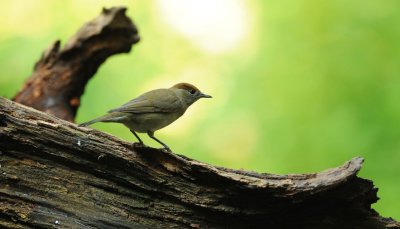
[(153, 110)]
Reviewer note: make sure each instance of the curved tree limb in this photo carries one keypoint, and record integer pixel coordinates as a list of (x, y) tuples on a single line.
[(54, 173), (60, 76)]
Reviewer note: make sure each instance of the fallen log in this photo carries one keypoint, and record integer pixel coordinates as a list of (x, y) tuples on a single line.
[(54, 173)]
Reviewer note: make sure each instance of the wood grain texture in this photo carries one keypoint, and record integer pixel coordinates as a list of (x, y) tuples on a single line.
[(60, 76), (55, 174)]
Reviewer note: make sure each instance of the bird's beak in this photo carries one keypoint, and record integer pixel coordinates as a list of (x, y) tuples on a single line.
[(202, 95)]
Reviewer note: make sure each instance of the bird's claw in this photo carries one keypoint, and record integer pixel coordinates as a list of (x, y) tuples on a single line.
[(137, 144)]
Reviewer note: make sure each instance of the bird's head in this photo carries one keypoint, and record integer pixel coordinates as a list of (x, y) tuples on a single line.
[(189, 93)]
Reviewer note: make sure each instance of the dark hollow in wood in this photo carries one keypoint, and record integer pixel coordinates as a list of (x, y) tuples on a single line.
[(55, 174), (60, 75)]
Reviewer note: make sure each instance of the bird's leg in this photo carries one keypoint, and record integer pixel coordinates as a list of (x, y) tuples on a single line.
[(137, 136), (151, 134)]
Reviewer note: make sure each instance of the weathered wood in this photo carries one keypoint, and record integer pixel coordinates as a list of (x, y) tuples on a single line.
[(54, 173), (60, 76)]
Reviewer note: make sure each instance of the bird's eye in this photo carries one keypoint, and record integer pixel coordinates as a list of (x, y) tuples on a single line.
[(192, 91)]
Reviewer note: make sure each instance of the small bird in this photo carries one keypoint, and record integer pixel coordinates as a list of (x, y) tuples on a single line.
[(153, 110)]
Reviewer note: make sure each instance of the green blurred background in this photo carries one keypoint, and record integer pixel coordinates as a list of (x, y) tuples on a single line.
[(298, 86)]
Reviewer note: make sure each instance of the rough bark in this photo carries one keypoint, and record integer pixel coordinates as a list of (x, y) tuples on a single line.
[(60, 76), (55, 174)]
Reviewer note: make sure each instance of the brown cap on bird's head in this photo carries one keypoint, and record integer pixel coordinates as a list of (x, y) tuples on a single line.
[(185, 86), (191, 89)]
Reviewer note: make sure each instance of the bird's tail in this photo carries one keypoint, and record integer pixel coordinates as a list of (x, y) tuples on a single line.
[(110, 117), (99, 119), (91, 122)]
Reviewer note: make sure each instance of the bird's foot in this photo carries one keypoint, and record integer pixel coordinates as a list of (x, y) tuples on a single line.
[(138, 145), (167, 149)]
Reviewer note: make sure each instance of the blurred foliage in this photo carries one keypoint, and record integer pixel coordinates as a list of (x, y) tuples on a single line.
[(298, 86)]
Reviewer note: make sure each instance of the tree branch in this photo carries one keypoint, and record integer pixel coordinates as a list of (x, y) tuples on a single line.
[(60, 76), (54, 173)]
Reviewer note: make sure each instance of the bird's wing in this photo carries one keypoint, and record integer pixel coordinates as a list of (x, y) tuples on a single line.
[(156, 101)]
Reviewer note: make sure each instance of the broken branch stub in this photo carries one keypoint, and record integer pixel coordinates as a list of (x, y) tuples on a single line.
[(60, 76)]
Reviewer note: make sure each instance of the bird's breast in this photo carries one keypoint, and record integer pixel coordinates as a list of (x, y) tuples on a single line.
[(143, 123)]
